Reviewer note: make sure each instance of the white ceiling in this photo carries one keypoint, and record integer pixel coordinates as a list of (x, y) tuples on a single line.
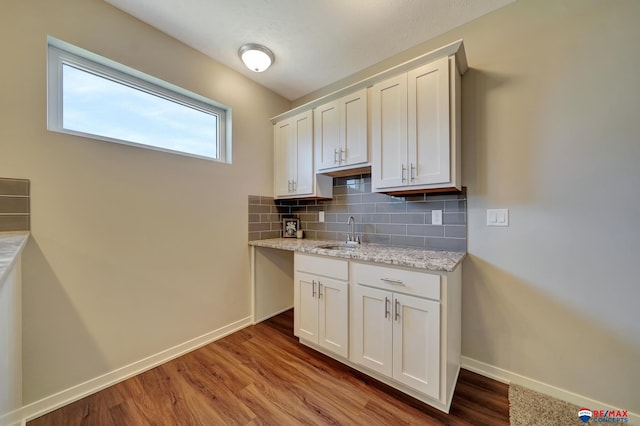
[(315, 42)]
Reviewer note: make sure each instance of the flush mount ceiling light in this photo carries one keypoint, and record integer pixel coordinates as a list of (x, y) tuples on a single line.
[(256, 57)]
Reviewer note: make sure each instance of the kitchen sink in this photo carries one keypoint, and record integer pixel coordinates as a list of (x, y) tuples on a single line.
[(338, 247)]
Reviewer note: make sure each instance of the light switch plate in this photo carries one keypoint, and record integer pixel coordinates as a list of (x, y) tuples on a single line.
[(497, 217), (320, 216), (436, 217)]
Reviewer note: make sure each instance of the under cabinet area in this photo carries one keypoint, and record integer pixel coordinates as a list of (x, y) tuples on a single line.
[(321, 302)]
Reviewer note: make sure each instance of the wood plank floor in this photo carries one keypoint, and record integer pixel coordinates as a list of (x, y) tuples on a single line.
[(262, 376)]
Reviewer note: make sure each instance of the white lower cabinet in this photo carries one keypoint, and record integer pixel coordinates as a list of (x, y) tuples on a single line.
[(401, 326), (321, 302), (395, 334)]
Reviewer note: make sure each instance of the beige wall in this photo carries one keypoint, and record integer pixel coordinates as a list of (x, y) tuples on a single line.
[(133, 251), (551, 130)]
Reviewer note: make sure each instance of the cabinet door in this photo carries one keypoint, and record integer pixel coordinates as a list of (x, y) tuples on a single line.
[(333, 332), (416, 343), (353, 126), (305, 307), (302, 157), (389, 133), (282, 143), (327, 135), (372, 328), (428, 124)]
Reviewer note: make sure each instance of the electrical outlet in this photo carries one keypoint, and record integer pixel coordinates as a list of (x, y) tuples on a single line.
[(436, 217), (320, 216), (497, 217)]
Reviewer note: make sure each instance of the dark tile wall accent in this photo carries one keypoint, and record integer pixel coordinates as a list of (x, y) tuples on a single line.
[(14, 205), (380, 218)]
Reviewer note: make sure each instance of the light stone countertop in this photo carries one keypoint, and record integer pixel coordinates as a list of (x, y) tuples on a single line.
[(432, 260), (11, 245)]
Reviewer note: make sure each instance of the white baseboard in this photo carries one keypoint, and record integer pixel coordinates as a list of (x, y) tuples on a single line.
[(266, 317), (509, 377), (67, 396)]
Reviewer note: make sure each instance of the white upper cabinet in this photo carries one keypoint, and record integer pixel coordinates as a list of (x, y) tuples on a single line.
[(340, 129), (415, 119), (294, 174)]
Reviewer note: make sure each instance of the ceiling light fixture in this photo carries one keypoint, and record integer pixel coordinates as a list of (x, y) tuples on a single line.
[(256, 57)]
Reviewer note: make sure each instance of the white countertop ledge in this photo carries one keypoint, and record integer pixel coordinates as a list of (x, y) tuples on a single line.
[(11, 245), (431, 260)]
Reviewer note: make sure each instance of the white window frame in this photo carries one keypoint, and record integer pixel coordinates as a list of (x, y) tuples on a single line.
[(60, 53)]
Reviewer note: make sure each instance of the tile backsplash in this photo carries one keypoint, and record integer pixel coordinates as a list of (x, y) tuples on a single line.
[(14, 204), (380, 218)]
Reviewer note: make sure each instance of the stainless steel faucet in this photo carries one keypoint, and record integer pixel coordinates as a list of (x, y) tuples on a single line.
[(352, 239)]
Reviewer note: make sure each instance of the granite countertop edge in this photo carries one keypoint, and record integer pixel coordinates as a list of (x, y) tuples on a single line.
[(430, 260), (11, 246)]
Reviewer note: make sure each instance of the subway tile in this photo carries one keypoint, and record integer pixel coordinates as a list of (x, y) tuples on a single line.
[(339, 190), (279, 209), (254, 217), (256, 208), (376, 218), (407, 241), (316, 208), (270, 217), (14, 223), (366, 228), (308, 217), (255, 227), (324, 235), (316, 226), (375, 197), (330, 217), (451, 244), (354, 198), (443, 197), (455, 231), (287, 202), (391, 229), (312, 235), (414, 197), (267, 200), (425, 206), (253, 236), (377, 239), (338, 227), (426, 230), (337, 208), (344, 217), (391, 207), (298, 209), (10, 186), (14, 204), (275, 226), (455, 206), (414, 218), (254, 199), (307, 203), (270, 234), (362, 208), (454, 218)]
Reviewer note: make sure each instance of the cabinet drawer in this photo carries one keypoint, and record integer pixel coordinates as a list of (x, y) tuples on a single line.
[(332, 268), (421, 284)]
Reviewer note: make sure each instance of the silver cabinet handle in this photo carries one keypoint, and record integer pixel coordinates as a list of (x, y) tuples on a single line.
[(335, 156), (288, 186), (391, 281), (386, 307), (412, 173), (404, 169), (397, 306), (294, 184), (313, 289), (343, 151), (319, 289)]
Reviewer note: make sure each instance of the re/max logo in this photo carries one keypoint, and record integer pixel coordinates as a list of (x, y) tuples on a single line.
[(610, 413)]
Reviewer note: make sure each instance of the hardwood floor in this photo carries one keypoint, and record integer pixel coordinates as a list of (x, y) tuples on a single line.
[(262, 376)]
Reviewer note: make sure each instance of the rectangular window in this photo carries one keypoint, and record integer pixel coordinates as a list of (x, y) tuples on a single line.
[(92, 96)]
